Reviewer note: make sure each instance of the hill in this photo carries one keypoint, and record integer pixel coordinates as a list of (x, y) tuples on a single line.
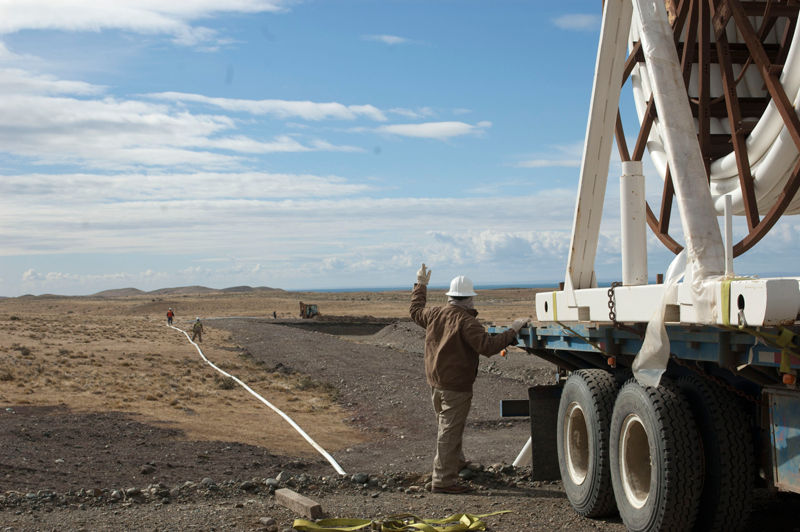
[(120, 292), (183, 290)]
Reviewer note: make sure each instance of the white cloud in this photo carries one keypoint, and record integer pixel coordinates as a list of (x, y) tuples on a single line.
[(577, 21), (5, 53), (435, 130), (9, 58), (296, 214), (85, 283), (321, 230), (84, 190), (422, 112), (332, 264), (321, 145), (489, 245), (31, 275), (488, 254), (570, 156), (280, 144), (107, 132), (547, 163), (391, 40), (137, 16), (56, 121), (17, 81), (280, 108)]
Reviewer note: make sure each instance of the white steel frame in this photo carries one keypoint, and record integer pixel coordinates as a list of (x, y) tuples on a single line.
[(710, 294)]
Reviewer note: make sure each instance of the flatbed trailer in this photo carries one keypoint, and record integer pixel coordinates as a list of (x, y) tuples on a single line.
[(737, 355), (730, 413)]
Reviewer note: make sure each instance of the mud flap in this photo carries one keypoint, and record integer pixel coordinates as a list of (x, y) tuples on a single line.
[(543, 407)]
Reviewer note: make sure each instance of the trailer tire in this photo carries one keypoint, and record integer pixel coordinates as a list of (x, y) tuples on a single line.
[(584, 415), (728, 455), (655, 458)]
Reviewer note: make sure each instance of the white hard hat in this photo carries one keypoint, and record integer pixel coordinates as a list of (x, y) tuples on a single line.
[(198, 319), (461, 287)]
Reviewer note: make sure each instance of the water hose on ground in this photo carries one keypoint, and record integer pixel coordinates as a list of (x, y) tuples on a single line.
[(289, 420)]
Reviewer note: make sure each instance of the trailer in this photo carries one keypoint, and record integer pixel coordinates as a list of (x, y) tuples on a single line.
[(677, 397)]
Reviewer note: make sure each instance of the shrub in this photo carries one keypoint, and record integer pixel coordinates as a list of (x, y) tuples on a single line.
[(225, 383), (24, 351)]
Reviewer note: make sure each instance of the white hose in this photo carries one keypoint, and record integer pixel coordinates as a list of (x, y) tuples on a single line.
[(289, 420), (524, 455), (770, 150)]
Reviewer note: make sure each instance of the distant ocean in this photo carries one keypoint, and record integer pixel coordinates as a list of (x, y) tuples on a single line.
[(433, 287), (478, 287)]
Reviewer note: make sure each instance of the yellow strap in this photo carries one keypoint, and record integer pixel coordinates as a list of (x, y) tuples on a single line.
[(725, 297), (398, 523), (786, 363), (725, 287), (785, 337), (784, 341), (555, 307)]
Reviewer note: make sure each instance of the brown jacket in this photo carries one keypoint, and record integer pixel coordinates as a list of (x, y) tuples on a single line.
[(453, 340)]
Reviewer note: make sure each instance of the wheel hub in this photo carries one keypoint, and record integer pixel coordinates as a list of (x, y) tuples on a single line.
[(635, 463), (576, 438)]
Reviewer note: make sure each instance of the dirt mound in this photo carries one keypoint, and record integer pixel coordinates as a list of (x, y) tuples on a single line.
[(345, 319), (407, 336), (402, 335)]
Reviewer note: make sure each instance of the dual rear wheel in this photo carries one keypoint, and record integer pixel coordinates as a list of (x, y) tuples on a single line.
[(655, 454), (583, 441)]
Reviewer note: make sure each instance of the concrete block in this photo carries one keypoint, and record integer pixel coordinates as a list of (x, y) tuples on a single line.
[(298, 503)]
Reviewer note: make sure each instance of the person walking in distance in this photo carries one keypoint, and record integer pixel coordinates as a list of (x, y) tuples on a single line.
[(453, 340), (197, 330), (170, 315)]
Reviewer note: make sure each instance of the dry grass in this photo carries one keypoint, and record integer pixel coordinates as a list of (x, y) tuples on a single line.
[(94, 354)]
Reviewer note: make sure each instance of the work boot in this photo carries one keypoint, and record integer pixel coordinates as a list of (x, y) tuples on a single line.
[(453, 489)]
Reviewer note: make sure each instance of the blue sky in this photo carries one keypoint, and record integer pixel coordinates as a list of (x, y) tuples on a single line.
[(297, 144)]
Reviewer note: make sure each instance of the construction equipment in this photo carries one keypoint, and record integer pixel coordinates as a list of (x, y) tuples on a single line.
[(681, 395), (308, 310)]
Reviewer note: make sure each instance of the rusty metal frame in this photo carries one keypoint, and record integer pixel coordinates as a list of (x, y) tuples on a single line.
[(705, 20)]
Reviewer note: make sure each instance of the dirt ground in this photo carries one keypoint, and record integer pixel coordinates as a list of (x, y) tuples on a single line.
[(110, 420)]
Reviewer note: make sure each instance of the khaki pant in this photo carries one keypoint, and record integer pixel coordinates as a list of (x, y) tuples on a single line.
[(451, 413)]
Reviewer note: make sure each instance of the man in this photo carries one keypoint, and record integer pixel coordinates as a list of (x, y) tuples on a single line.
[(170, 315), (197, 331), (453, 340)]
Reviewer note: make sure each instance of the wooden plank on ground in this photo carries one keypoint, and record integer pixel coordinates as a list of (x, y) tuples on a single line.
[(298, 503)]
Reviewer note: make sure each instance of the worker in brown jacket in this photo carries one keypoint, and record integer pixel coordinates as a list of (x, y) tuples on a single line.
[(453, 340), (197, 330)]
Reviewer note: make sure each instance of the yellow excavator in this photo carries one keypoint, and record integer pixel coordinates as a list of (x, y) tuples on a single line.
[(308, 311)]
